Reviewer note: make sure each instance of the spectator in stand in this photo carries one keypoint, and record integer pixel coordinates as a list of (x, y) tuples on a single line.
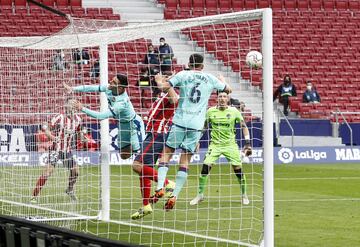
[(86, 141), (42, 140), (152, 58), (310, 95), (286, 90), (95, 70), (81, 56), (59, 61), (166, 55)]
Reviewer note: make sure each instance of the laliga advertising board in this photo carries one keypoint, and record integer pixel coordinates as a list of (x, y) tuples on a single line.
[(17, 145)]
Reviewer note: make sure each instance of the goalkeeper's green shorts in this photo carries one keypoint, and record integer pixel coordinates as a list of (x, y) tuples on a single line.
[(230, 152)]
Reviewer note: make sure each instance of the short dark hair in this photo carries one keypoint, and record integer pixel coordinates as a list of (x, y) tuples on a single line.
[(196, 60), (234, 102), (123, 81), (162, 38)]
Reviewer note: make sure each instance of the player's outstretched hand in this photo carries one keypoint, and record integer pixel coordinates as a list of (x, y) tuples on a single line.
[(221, 78), (68, 89), (158, 78), (77, 105), (247, 150)]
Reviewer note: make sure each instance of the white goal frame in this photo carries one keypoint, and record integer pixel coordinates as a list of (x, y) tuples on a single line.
[(120, 34)]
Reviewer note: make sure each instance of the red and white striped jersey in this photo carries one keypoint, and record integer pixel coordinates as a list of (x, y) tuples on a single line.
[(64, 128), (160, 115)]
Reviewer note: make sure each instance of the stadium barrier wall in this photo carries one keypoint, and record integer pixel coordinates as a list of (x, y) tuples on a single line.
[(17, 232)]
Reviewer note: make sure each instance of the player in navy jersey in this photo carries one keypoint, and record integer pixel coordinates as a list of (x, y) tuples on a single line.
[(120, 108), (159, 119), (63, 130)]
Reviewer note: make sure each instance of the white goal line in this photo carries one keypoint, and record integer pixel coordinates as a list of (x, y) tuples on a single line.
[(196, 235)]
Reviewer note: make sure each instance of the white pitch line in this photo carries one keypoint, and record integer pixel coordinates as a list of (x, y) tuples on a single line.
[(321, 178), (183, 233)]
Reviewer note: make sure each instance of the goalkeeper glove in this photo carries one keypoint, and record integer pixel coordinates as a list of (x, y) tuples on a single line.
[(247, 149)]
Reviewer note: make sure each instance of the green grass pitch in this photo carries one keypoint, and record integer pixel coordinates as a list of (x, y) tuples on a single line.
[(315, 205)]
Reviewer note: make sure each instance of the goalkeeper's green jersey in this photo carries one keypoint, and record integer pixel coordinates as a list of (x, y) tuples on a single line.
[(222, 123)]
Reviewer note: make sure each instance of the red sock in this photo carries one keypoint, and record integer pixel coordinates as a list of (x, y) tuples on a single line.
[(145, 186), (39, 184), (152, 174)]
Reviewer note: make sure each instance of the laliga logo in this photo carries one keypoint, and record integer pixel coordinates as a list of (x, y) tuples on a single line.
[(285, 155)]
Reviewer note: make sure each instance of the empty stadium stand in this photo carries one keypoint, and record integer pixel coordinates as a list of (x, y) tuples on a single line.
[(317, 40)]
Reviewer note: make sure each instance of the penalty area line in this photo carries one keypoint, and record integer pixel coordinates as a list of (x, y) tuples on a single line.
[(196, 235)]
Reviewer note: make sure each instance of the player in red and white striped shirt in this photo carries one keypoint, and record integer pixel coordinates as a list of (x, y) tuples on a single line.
[(159, 119), (63, 130)]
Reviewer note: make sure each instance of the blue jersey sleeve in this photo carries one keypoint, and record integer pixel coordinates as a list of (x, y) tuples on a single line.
[(90, 88), (216, 83), (98, 115)]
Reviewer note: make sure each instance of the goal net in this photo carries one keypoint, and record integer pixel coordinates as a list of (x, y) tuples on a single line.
[(99, 196)]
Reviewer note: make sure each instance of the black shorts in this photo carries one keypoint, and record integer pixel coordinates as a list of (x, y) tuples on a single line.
[(152, 148), (56, 158)]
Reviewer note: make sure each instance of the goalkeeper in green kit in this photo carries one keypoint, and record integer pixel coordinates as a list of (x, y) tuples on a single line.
[(222, 119)]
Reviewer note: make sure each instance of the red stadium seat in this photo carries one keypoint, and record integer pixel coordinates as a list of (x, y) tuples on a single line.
[(198, 4), (305, 107), (225, 6), (303, 4), (294, 103), (75, 3), (170, 14), (329, 4), (341, 4), (21, 10), (335, 106), (185, 4), (263, 4), (19, 2), (211, 4), (355, 99), (354, 5), (290, 4), (106, 11), (237, 5), (92, 11), (6, 2), (198, 12), (277, 4), (171, 4), (48, 2), (315, 4), (62, 3), (250, 5)]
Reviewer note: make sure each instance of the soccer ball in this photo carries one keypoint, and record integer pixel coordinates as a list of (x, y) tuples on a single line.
[(254, 59)]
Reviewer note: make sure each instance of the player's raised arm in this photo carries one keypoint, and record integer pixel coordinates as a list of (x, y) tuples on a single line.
[(84, 88), (227, 88), (94, 114)]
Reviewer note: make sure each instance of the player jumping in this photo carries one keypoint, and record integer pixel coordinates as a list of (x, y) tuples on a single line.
[(62, 133), (159, 119), (120, 108), (195, 90), (223, 119)]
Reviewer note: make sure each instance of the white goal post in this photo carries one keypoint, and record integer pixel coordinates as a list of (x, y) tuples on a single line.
[(98, 202)]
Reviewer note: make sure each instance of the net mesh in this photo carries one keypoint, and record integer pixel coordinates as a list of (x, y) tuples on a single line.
[(33, 70)]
